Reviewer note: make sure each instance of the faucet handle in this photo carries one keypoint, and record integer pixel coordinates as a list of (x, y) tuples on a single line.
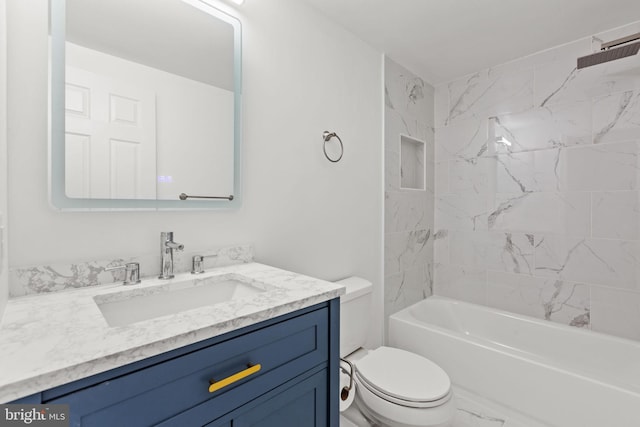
[(132, 272), (197, 263)]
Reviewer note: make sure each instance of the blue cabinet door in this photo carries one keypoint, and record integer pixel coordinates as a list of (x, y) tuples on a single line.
[(302, 405)]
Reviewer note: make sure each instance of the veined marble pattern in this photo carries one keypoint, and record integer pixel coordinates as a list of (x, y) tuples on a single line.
[(616, 117), (408, 94), (406, 211), (465, 140), (441, 177), (441, 103), (53, 339), (474, 177), (405, 250), (615, 312), (461, 282), (564, 213), (614, 263), (616, 215), (476, 411), (409, 187), (490, 92), (462, 212), (553, 126), (560, 82), (509, 252), (407, 287), (538, 148), (550, 299), (396, 125), (58, 277), (601, 167), (524, 172), (392, 170), (441, 247)]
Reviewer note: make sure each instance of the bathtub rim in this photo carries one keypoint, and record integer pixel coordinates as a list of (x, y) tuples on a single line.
[(405, 316)]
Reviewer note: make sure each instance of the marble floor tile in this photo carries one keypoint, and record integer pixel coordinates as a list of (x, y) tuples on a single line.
[(476, 411)]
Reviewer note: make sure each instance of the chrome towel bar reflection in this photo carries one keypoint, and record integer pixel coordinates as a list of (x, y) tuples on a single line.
[(184, 196), (326, 135)]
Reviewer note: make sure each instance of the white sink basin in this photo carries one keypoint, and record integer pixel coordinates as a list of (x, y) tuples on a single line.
[(177, 295)]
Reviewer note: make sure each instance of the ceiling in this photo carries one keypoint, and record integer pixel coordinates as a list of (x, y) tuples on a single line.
[(157, 36), (444, 39)]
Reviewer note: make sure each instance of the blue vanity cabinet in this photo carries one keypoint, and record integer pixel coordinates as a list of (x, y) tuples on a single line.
[(291, 361), (301, 402)]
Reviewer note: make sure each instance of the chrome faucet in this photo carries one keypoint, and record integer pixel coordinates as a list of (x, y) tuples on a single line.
[(167, 246), (132, 272), (197, 263)]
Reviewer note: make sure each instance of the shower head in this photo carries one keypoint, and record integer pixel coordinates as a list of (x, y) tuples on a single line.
[(627, 46)]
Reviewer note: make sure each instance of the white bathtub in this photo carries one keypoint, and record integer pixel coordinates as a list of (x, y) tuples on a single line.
[(556, 374)]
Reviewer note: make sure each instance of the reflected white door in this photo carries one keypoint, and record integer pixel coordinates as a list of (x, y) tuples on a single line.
[(110, 138)]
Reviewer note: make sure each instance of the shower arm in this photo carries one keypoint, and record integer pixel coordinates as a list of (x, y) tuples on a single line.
[(618, 42)]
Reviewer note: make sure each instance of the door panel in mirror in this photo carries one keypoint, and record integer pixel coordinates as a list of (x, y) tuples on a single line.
[(145, 104)]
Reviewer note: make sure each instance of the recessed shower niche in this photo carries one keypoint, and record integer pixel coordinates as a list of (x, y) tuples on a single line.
[(412, 163)]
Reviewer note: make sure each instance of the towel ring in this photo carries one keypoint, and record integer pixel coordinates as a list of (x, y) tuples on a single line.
[(326, 135)]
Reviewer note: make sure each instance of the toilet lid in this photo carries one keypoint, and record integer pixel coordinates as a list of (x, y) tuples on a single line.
[(404, 375)]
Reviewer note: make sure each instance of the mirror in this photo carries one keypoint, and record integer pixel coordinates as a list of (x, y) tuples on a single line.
[(145, 105)]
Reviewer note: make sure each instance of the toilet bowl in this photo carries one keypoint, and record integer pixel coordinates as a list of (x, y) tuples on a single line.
[(401, 389), (394, 387)]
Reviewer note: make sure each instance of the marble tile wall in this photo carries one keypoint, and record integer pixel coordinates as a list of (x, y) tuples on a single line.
[(409, 237), (537, 182), (36, 279)]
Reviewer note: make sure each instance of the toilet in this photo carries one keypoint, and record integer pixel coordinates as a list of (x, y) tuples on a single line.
[(394, 387)]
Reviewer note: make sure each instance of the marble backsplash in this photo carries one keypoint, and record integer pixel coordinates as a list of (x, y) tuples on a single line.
[(58, 277), (538, 188)]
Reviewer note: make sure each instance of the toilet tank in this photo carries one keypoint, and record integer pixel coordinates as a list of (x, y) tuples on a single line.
[(355, 314)]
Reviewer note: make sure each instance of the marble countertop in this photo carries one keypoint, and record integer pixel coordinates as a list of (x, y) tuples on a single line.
[(53, 339)]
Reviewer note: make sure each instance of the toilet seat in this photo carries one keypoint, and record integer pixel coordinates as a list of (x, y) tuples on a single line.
[(403, 378)]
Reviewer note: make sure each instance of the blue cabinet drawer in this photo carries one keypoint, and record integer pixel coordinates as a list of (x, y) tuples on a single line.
[(299, 402), (153, 394)]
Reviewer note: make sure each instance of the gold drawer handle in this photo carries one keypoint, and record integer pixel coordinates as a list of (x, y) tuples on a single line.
[(217, 385)]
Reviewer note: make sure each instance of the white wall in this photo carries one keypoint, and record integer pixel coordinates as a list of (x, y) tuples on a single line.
[(302, 75), (4, 283)]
